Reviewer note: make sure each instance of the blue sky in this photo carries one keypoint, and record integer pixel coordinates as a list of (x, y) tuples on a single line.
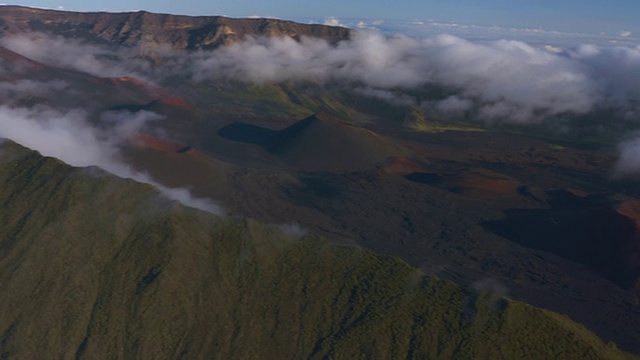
[(582, 16)]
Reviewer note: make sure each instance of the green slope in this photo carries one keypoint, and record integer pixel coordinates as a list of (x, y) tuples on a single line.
[(97, 267)]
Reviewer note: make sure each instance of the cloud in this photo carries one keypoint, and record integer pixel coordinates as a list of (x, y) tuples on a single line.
[(553, 49), (454, 105), (77, 55), (504, 80), (261, 17), (512, 81), (370, 59), (293, 230), (628, 163), (491, 285), (333, 21), (66, 136), (70, 137), (614, 69), (391, 97), (625, 33), (29, 88), (508, 80), (495, 81)]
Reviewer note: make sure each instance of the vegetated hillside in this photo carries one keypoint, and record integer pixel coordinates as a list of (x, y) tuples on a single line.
[(93, 266), (147, 29)]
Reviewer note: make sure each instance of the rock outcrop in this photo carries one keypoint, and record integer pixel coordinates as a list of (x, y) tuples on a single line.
[(147, 29)]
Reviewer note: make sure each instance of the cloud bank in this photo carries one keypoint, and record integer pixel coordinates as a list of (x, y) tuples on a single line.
[(628, 163), (507, 81), (68, 136), (503, 81), (78, 55)]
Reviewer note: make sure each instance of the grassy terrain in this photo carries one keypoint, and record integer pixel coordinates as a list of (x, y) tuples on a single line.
[(97, 267)]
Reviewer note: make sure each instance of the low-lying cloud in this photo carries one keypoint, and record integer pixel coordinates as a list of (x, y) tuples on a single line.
[(29, 88), (495, 81), (507, 81), (78, 55), (628, 163), (68, 136), (615, 70)]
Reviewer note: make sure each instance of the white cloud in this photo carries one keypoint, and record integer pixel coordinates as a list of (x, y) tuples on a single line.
[(508, 80), (333, 21), (68, 136), (614, 69), (628, 163), (261, 17), (77, 55), (553, 49), (505, 80), (511, 80), (625, 33)]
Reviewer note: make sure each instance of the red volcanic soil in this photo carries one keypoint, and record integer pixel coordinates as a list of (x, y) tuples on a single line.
[(19, 60), (162, 95), (483, 183), (175, 101), (490, 185), (630, 209), (401, 165), (148, 141)]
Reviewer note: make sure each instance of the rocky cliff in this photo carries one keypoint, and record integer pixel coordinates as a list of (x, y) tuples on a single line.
[(147, 29)]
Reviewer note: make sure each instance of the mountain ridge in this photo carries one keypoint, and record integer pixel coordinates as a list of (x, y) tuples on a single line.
[(145, 29)]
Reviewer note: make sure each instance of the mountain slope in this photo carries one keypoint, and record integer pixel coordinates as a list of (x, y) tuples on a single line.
[(318, 142), (93, 266), (323, 140)]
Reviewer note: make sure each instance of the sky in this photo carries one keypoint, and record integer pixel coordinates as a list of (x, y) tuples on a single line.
[(611, 17)]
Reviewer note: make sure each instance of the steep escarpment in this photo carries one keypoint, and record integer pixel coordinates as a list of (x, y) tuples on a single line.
[(146, 29)]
